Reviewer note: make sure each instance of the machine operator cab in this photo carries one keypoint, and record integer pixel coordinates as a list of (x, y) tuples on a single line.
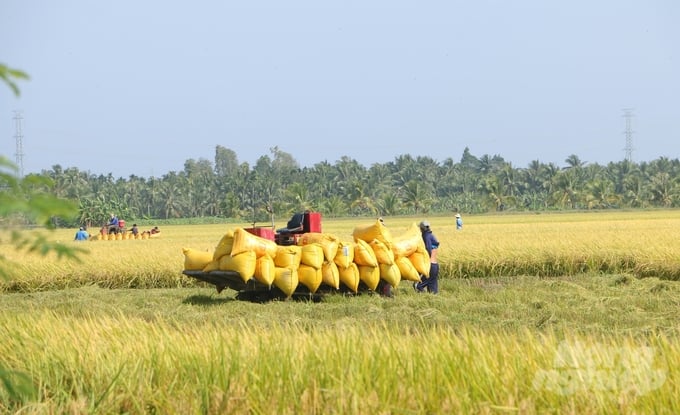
[(298, 225)]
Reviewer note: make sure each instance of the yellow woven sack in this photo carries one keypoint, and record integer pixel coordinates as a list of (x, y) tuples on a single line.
[(195, 259), (286, 280), (363, 254), (330, 274), (224, 245), (345, 254), (407, 270), (328, 241), (264, 270), (243, 263), (376, 230), (312, 255), (310, 277), (369, 276), (383, 252), (407, 243), (421, 261), (246, 241), (350, 276), (390, 274), (288, 256), (214, 265)]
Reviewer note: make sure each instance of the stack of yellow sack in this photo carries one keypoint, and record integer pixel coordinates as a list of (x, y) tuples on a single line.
[(319, 258), (410, 254), (251, 256), (329, 244), (380, 240)]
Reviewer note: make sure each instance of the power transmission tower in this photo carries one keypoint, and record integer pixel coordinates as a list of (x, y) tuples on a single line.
[(19, 137), (628, 115)]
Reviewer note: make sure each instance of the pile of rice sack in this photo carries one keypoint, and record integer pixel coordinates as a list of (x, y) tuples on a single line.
[(318, 258)]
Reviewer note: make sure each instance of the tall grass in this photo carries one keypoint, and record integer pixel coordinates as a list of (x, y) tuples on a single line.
[(119, 364)]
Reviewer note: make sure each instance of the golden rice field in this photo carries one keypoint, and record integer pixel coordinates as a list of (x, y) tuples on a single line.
[(642, 244), (567, 313)]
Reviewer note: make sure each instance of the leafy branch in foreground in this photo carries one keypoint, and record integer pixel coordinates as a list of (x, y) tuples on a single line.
[(8, 75)]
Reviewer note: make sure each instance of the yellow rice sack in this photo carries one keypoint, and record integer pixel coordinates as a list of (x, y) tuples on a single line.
[(195, 259), (376, 230), (329, 242), (312, 255), (407, 269), (288, 256), (330, 274), (264, 270), (310, 277), (407, 243), (350, 277), (224, 245), (246, 241), (243, 263), (369, 276), (214, 265), (390, 274), (421, 261), (345, 254), (286, 280), (363, 254), (383, 252)]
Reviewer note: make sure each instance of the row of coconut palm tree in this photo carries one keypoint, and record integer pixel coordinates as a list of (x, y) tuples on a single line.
[(276, 184)]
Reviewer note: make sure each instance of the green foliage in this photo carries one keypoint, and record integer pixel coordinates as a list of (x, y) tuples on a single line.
[(406, 186), (17, 386), (9, 76)]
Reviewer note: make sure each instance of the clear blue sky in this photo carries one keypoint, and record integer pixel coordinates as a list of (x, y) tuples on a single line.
[(138, 87)]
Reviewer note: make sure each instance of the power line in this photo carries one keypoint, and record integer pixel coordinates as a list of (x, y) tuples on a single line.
[(628, 115), (19, 138)]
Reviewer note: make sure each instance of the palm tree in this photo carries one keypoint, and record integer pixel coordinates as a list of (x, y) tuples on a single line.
[(417, 195)]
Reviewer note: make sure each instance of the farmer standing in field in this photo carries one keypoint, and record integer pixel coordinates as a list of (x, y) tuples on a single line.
[(459, 222), (429, 284)]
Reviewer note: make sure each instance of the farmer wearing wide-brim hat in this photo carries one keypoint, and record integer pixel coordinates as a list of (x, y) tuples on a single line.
[(459, 222)]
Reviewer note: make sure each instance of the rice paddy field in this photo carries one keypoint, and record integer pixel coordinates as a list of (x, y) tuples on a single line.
[(561, 313)]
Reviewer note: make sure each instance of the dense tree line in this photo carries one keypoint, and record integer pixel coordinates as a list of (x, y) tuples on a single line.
[(226, 188)]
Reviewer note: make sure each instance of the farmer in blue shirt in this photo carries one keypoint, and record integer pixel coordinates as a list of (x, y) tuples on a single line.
[(113, 224), (431, 283), (82, 235)]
